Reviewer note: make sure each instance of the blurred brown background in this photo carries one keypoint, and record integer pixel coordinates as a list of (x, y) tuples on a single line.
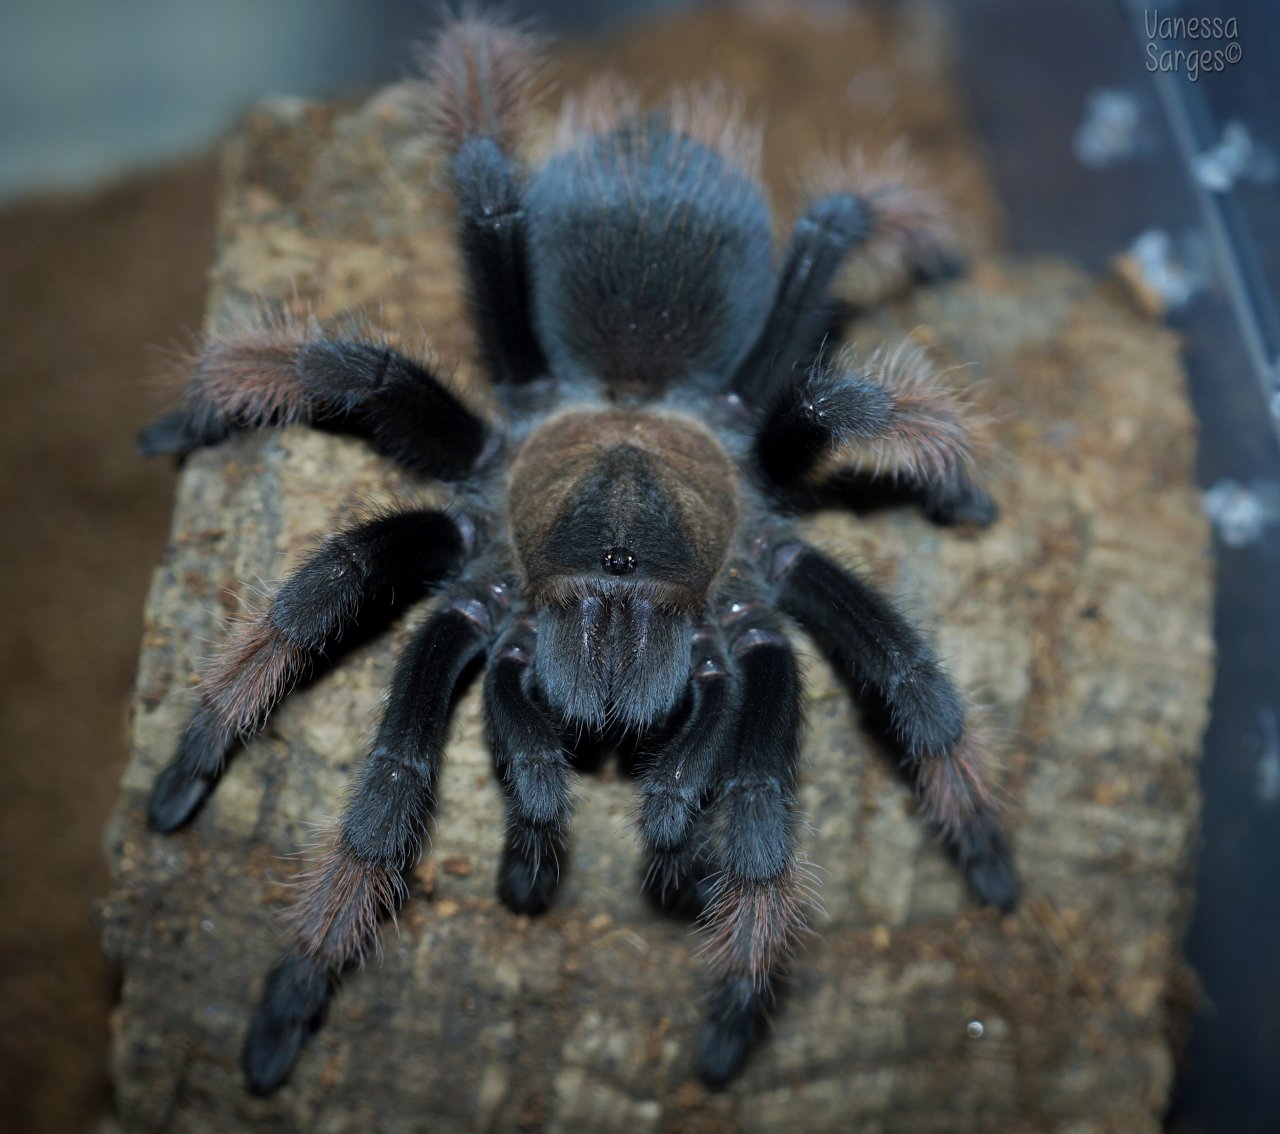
[(89, 284)]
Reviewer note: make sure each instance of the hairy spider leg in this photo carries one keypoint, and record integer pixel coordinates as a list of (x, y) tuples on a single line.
[(891, 417), (360, 880), (873, 645), (488, 185), (528, 750), (481, 73), (802, 307), (677, 785), (277, 373), (810, 418), (911, 238), (396, 554), (880, 216), (755, 911)]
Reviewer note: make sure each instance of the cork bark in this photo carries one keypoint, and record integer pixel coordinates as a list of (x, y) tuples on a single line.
[(1080, 621)]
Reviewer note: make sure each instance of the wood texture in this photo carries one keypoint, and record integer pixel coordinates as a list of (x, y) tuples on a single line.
[(1080, 621)]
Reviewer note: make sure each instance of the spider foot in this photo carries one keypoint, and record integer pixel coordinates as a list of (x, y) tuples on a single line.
[(176, 798), (987, 863), (681, 884), (189, 778), (292, 1007), (179, 432), (526, 884), (687, 898), (964, 503), (946, 264), (734, 1025)]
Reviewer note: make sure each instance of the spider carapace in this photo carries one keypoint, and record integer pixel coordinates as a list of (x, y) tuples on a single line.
[(621, 556)]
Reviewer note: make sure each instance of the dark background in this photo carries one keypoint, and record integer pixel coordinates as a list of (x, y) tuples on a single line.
[(92, 279)]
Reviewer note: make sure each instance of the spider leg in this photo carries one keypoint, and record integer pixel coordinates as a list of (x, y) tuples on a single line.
[(823, 236), (529, 752), (755, 911), (195, 424), (876, 213), (911, 237), (488, 184), (677, 785), (959, 501), (398, 552), (276, 370), (868, 640), (481, 72), (360, 880), (890, 417)]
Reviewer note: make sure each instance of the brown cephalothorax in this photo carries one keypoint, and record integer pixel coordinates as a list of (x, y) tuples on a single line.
[(620, 559), (658, 485)]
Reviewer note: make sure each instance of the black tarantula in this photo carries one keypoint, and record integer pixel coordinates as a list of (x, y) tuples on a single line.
[(620, 554)]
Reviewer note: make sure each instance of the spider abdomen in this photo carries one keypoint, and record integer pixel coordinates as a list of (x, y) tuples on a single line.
[(653, 257)]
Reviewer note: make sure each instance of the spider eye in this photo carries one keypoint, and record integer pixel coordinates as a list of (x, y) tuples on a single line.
[(619, 561)]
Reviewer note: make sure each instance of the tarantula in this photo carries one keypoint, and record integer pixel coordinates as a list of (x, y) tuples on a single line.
[(620, 555)]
